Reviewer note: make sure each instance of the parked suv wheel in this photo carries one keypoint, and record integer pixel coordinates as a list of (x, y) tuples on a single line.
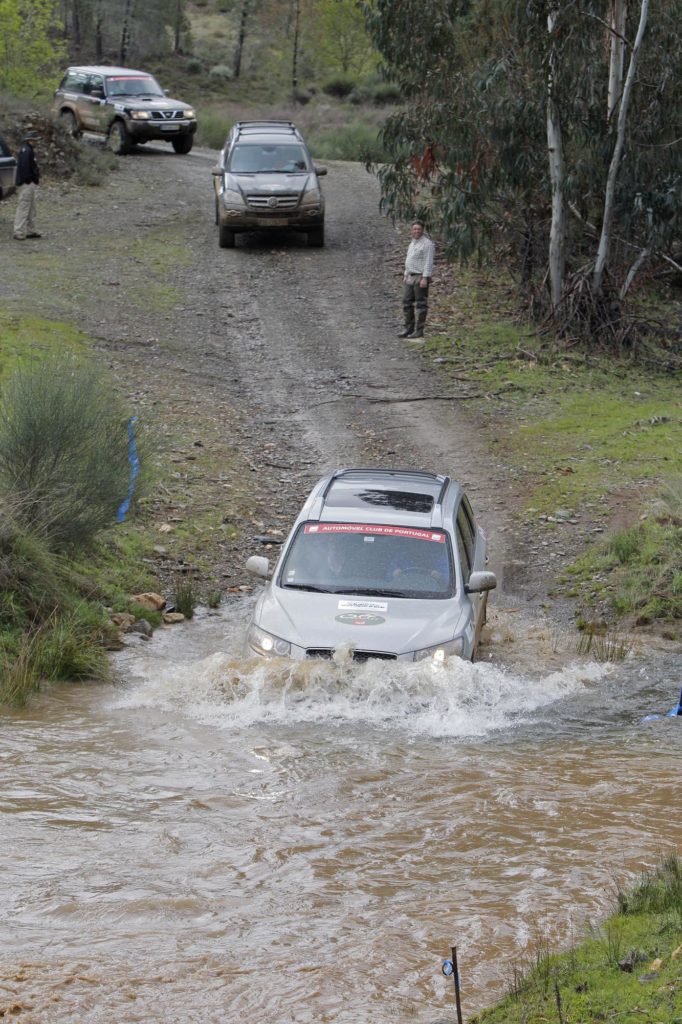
[(226, 238), (118, 139)]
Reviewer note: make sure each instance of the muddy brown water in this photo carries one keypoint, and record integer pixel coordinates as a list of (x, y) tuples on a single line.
[(217, 839), (211, 839)]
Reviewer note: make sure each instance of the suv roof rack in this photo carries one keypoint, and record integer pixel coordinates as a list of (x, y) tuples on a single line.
[(260, 125)]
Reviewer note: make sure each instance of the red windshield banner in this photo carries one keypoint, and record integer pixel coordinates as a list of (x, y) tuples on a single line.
[(373, 530)]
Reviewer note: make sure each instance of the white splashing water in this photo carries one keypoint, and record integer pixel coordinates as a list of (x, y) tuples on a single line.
[(220, 688)]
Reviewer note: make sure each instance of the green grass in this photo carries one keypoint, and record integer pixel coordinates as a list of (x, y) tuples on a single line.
[(627, 970), (25, 338), (590, 436)]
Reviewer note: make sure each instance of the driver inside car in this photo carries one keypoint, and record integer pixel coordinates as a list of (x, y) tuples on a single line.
[(427, 558)]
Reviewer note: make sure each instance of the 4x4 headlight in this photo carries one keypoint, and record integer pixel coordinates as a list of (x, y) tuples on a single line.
[(232, 198), (266, 644), (140, 115), (441, 652), (189, 113)]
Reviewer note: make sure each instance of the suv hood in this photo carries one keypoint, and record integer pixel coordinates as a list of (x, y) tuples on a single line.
[(267, 183), (153, 103), (387, 624)]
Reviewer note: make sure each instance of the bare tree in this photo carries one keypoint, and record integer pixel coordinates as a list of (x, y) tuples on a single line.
[(555, 150)]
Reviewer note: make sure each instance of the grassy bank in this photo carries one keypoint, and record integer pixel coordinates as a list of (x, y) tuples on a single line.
[(596, 438), (627, 969)]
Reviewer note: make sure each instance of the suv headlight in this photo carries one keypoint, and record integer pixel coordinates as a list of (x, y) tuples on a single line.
[(140, 115), (189, 113), (266, 644), (441, 652)]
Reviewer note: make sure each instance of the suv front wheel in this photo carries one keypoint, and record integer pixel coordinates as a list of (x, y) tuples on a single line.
[(183, 143), (316, 237), (226, 238), (118, 139)]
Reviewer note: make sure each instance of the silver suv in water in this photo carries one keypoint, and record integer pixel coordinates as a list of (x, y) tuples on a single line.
[(126, 106), (390, 563), (266, 179)]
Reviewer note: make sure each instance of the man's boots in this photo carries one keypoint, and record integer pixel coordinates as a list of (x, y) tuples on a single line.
[(418, 332), (406, 331)]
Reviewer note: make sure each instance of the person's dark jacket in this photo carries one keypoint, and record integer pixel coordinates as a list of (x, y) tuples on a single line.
[(27, 166)]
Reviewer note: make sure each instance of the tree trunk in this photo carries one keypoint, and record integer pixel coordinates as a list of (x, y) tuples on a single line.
[(125, 32), (75, 26), (99, 46), (557, 244), (240, 39), (609, 196), (294, 65), (618, 19), (177, 26)]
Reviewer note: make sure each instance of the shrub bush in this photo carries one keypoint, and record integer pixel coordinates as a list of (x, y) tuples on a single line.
[(212, 131), (384, 93), (220, 73), (340, 86), (194, 66), (357, 141), (63, 450)]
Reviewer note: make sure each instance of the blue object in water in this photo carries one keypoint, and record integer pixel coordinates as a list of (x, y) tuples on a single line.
[(673, 713), (447, 968), (134, 470)]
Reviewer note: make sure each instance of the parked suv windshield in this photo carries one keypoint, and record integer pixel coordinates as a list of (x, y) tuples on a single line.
[(370, 559), (128, 85), (248, 158)]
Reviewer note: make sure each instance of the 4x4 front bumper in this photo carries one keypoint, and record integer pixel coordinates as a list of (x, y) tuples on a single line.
[(145, 131)]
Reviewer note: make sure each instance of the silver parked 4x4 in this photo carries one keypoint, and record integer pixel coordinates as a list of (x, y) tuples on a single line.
[(266, 179), (126, 106)]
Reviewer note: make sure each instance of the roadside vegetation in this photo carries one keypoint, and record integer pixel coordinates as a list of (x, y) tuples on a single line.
[(627, 968), (64, 472)]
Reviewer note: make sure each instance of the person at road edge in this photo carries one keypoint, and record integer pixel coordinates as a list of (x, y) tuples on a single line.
[(27, 179), (418, 273)]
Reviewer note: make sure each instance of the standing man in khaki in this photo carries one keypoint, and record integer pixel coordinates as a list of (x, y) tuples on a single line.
[(28, 177), (418, 273)]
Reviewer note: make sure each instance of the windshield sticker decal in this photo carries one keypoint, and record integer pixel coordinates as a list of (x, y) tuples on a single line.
[(363, 606), (376, 530)]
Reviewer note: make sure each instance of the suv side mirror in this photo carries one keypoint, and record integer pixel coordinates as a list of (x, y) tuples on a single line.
[(217, 171), (320, 170), (480, 581)]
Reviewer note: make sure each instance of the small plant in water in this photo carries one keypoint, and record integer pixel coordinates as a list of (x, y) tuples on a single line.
[(213, 598), (604, 646), (185, 596)]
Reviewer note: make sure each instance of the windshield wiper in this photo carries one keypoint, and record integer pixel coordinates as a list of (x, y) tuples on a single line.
[(378, 592), (307, 586)]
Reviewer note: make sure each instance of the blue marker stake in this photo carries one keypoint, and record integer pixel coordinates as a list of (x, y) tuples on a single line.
[(134, 470)]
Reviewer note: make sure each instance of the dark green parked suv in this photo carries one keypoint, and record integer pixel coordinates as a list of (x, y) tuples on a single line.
[(126, 106)]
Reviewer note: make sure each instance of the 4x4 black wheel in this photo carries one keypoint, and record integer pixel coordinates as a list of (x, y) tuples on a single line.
[(67, 119), (183, 143), (316, 237), (118, 139), (226, 238)]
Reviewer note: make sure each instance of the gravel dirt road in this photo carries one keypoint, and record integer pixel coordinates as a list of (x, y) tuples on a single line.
[(262, 366)]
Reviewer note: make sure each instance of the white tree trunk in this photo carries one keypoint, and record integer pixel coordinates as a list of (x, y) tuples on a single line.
[(609, 196), (617, 48), (555, 150)]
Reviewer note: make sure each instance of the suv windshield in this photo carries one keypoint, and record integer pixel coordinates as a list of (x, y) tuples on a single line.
[(355, 558), (248, 158), (137, 85)]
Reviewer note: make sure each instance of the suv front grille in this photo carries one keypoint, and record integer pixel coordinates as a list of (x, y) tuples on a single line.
[(324, 652), (272, 203), (168, 115)]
